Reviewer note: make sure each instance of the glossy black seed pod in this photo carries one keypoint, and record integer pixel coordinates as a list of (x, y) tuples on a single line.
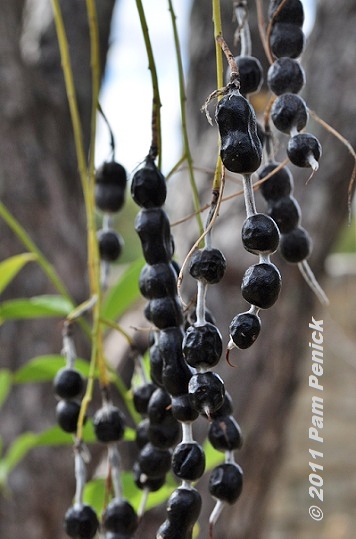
[(176, 373), (109, 424), (182, 409), (286, 213), (277, 186), (260, 234), (164, 312), (286, 40), (261, 285), (110, 187), (291, 12), (289, 111), (67, 413), (285, 75), (148, 187), (296, 246), (301, 146), (241, 148), (251, 74), (207, 265), (144, 482), (158, 281), (141, 397), (81, 522), (244, 329), (225, 409), (206, 392), (225, 434), (156, 366), (202, 346), (225, 482), (153, 461), (165, 434), (188, 461), (142, 433), (120, 517), (153, 228), (68, 383), (110, 245), (183, 507), (159, 406)]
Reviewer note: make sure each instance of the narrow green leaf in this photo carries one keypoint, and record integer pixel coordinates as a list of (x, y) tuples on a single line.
[(36, 307), (44, 369), (16, 452), (10, 268), (5, 384), (124, 293)]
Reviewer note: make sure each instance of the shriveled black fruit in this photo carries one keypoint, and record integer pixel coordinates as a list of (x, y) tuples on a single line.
[(165, 434), (159, 406), (286, 40), (225, 409), (285, 75), (67, 413), (206, 392), (148, 187), (202, 346), (183, 507), (225, 434), (244, 329), (120, 517), (153, 228), (154, 462), (292, 12), (286, 213), (260, 234), (207, 265), (188, 461), (144, 482), (141, 396), (241, 148), (296, 246), (251, 74), (176, 373), (81, 522), (278, 185), (225, 482), (110, 187), (109, 424), (289, 111), (156, 366), (182, 409), (110, 245), (261, 285), (303, 150), (68, 383), (158, 281), (164, 312), (142, 433)]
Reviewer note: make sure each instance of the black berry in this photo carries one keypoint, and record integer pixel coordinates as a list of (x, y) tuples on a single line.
[(285, 75), (289, 112), (225, 482), (207, 265), (154, 462), (202, 345), (296, 245), (109, 424), (141, 397), (292, 12), (278, 185), (286, 40), (188, 461), (260, 234), (110, 187), (67, 413), (68, 383), (206, 392), (286, 213), (110, 245), (148, 187), (81, 522), (304, 150), (244, 329), (120, 517), (251, 74), (261, 285), (225, 434), (158, 281)]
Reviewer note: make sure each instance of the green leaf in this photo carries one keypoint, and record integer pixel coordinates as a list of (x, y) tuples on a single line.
[(16, 452), (5, 384), (10, 268), (36, 307), (124, 293), (44, 369), (212, 456)]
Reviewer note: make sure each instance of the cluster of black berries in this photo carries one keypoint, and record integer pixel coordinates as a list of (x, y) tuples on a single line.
[(110, 186), (169, 404), (286, 78)]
